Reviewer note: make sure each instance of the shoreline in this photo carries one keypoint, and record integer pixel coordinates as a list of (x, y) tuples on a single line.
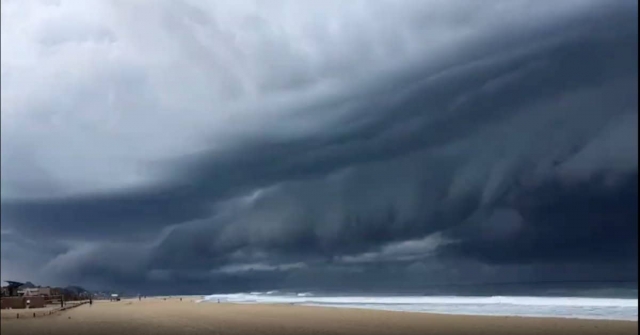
[(172, 316), (478, 314), (579, 308)]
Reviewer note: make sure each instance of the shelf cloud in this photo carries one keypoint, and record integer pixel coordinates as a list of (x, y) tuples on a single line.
[(233, 146)]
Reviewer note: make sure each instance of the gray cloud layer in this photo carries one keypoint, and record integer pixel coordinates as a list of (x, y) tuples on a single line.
[(374, 145)]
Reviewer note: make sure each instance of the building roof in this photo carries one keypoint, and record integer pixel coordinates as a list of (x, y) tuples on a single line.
[(13, 284)]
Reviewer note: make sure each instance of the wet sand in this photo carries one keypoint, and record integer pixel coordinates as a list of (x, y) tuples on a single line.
[(172, 316)]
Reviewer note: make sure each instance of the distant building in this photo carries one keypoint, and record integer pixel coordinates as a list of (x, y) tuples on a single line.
[(11, 296), (35, 292), (11, 290), (56, 291)]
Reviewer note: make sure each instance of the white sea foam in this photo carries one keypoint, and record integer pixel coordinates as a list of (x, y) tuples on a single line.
[(567, 307), (305, 294)]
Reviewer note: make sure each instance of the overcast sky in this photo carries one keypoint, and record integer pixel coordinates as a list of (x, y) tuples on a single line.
[(217, 146)]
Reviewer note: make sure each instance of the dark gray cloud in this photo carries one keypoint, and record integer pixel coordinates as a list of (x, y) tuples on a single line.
[(508, 153)]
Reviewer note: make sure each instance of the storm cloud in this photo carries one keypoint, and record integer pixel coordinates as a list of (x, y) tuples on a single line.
[(234, 146)]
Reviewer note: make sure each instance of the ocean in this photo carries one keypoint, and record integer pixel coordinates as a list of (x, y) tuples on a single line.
[(523, 306)]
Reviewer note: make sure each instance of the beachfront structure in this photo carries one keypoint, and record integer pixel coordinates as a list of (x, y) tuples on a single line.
[(11, 289), (35, 292), (13, 299), (22, 302)]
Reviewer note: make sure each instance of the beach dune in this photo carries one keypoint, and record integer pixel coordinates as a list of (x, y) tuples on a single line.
[(172, 316)]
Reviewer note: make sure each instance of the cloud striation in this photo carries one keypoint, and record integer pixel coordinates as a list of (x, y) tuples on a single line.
[(199, 147)]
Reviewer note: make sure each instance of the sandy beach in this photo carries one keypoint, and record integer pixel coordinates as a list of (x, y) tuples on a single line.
[(172, 316)]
